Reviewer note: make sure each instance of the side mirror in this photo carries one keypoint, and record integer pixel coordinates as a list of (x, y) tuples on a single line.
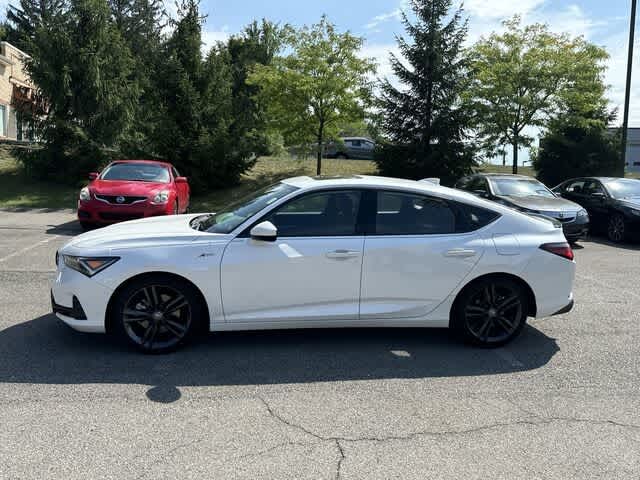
[(264, 232), (181, 180), (480, 193), (93, 176)]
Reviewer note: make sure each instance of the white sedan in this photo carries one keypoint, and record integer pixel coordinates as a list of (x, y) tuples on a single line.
[(319, 252)]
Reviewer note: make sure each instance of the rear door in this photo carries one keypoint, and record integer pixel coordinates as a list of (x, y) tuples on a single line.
[(414, 256)]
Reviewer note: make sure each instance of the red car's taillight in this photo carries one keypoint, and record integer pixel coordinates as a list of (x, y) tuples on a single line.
[(561, 249)]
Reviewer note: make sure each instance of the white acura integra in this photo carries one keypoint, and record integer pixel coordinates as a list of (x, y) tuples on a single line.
[(319, 252)]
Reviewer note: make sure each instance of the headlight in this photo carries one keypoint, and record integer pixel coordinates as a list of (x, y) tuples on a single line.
[(635, 212), (582, 213), (161, 197), (85, 194), (88, 266)]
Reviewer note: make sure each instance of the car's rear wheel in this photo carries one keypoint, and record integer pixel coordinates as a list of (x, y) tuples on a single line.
[(617, 228), (157, 314), (490, 312)]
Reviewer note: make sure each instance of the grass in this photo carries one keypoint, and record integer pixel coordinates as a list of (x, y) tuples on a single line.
[(269, 170), (18, 191)]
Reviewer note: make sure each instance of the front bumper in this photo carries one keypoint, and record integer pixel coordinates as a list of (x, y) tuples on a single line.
[(74, 296), (576, 229), (98, 212)]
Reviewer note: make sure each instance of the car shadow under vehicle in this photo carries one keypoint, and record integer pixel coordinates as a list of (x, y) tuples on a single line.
[(44, 351)]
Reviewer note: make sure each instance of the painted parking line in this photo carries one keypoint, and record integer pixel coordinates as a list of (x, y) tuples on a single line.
[(26, 249)]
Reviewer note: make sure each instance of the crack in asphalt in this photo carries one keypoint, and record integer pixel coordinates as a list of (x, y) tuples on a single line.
[(536, 421)]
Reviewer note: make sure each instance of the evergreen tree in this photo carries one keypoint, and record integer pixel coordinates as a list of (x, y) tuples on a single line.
[(141, 24), (425, 119), (258, 44)]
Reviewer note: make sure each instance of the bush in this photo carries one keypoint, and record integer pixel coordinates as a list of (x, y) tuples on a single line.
[(406, 161), (573, 151)]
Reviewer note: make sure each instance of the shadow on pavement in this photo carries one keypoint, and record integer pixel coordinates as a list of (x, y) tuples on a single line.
[(65, 229), (44, 351)]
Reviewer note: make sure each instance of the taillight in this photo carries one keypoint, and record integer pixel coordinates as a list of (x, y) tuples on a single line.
[(561, 249)]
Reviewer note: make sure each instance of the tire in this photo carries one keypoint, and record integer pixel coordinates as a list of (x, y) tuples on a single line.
[(617, 228), (157, 314), (490, 312), (342, 156)]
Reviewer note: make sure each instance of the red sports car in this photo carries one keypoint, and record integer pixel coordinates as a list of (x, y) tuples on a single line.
[(130, 189)]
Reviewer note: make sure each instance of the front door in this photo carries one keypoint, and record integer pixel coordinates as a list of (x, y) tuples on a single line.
[(311, 272), (414, 258)]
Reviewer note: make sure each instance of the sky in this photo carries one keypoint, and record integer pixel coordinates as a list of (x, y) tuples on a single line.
[(603, 22)]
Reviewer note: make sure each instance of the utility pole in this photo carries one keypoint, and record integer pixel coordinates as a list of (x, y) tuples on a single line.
[(625, 121)]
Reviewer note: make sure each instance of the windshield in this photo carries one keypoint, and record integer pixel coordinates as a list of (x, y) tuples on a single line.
[(136, 172), (519, 187), (233, 215), (624, 188)]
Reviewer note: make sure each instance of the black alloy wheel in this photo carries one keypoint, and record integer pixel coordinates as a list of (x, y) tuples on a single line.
[(158, 315), (491, 312), (617, 228)]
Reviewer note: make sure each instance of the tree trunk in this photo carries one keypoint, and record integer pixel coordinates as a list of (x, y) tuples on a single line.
[(319, 152), (515, 155)]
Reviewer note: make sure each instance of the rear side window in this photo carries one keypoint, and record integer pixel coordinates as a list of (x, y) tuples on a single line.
[(471, 218), (408, 214)]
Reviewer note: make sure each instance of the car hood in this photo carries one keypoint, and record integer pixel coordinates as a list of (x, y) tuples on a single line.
[(541, 203), (633, 202), (144, 233), (126, 187)]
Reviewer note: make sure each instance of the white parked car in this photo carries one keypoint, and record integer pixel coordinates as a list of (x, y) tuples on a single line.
[(326, 252)]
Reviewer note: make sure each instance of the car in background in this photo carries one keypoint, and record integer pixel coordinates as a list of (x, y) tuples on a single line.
[(613, 203), (530, 196), (132, 189), (357, 148), (307, 252)]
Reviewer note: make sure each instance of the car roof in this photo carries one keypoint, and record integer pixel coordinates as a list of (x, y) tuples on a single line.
[(151, 162)]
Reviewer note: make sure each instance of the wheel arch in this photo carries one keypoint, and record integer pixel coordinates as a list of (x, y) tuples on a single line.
[(531, 297), (108, 321)]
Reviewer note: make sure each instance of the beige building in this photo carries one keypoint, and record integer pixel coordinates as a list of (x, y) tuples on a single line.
[(18, 96)]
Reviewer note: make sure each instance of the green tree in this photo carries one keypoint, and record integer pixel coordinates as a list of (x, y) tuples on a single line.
[(319, 87), (83, 68), (524, 76), (141, 24), (258, 44), (425, 119)]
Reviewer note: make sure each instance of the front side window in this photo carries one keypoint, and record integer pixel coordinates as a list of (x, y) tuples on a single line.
[(136, 172), (322, 214), (409, 214), (576, 187)]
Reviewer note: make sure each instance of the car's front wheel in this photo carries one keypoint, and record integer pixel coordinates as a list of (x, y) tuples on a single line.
[(490, 312), (157, 314), (617, 228)]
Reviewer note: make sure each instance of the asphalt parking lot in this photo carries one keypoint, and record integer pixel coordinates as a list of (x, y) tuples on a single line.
[(563, 401)]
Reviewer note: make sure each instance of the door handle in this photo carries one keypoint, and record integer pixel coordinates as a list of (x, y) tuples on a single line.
[(460, 253), (342, 254)]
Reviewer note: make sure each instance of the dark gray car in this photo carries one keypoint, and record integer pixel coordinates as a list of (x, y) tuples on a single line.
[(531, 196)]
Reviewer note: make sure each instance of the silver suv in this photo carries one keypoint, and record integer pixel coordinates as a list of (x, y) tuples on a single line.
[(359, 148)]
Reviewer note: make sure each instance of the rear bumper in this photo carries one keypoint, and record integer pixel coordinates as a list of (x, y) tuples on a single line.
[(96, 212)]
